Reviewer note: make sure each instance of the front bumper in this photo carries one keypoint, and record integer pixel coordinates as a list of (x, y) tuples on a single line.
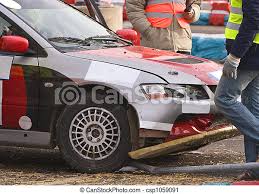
[(187, 143)]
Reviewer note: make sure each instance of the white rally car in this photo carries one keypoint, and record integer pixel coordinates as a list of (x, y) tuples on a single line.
[(68, 81)]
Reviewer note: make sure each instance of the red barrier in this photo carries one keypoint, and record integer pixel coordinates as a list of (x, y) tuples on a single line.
[(219, 10), (221, 5), (217, 19)]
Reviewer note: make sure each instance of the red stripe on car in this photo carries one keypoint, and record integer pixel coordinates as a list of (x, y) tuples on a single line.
[(14, 98)]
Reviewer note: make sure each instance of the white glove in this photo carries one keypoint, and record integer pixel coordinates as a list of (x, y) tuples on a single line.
[(230, 66)]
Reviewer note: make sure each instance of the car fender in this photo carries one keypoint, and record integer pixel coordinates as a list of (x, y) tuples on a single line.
[(85, 72)]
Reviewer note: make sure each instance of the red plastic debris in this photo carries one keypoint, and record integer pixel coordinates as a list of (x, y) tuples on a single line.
[(194, 126), (246, 183)]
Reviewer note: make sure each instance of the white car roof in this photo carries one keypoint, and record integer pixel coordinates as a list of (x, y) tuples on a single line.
[(32, 4)]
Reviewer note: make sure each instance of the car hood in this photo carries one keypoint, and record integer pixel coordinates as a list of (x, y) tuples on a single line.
[(170, 66)]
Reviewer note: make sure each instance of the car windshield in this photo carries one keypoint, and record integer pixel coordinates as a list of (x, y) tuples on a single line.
[(63, 26)]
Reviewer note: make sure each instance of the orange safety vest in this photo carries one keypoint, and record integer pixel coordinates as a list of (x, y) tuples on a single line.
[(160, 13)]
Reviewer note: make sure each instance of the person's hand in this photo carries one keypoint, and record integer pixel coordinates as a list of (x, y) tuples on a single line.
[(230, 66), (189, 15)]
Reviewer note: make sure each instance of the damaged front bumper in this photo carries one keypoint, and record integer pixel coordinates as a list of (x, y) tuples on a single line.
[(165, 105), (192, 142)]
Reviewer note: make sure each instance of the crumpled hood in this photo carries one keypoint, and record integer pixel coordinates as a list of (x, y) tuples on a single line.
[(172, 67)]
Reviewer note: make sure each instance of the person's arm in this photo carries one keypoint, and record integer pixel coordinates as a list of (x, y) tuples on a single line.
[(197, 10), (136, 14), (248, 29)]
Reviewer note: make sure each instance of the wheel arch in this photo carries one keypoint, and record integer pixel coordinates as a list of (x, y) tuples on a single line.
[(133, 118)]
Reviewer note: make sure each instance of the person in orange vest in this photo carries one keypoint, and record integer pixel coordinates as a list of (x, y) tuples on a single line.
[(164, 24)]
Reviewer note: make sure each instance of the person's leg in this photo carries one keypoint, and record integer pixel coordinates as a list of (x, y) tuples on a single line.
[(250, 98), (250, 150), (251, 156), (227, 93), (250, 146)]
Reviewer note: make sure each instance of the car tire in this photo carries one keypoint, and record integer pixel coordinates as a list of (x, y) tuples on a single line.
[(95, 145)]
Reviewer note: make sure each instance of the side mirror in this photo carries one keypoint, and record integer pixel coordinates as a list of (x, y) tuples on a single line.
[(130, 35), (71, 2), (14, 44)]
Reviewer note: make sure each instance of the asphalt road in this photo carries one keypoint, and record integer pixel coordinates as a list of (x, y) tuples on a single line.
[(33, 166)]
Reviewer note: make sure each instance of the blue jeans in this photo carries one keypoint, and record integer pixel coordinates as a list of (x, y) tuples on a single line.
[(244, 115), (251, 153), (251, 150)]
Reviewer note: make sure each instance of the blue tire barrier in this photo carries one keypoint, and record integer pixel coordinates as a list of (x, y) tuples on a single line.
[(204, 19), (209, 46)]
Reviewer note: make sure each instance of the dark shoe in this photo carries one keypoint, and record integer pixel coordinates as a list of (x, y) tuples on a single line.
[(247, 176)]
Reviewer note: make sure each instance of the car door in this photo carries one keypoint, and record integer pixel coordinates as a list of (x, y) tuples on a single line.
[(5, 63), (19, 85)]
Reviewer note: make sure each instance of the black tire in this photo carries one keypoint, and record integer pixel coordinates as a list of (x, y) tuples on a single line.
[(113, 162)]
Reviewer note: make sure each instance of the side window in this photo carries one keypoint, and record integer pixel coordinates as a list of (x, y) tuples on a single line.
[(8, 28), (4, 27)]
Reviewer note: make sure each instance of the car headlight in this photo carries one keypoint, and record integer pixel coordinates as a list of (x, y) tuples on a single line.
[(192, 92), (196, 92), (154, 91)]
